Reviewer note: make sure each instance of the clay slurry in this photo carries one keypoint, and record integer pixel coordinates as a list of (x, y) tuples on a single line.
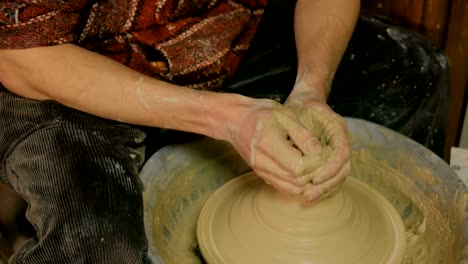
[(248, 221)]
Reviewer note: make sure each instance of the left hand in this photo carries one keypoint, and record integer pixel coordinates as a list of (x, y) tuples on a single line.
[(332, 141)]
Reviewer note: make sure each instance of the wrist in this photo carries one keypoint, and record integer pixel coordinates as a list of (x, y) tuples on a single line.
[(222, 113), (232, 110), (311, 84)]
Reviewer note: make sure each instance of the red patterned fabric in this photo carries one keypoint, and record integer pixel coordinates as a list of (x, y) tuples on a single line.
[(195, 43)]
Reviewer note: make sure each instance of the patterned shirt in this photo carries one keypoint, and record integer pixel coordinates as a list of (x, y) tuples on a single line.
[(194, 43)]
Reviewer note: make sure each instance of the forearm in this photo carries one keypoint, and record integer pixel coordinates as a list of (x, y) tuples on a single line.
[(92, 83), (322, 29)]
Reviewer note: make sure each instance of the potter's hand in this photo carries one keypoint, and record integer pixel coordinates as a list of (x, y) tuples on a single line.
[(264, 132), (333, 148)]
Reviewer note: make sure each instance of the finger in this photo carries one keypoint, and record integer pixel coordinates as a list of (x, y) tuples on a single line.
[(312, 146), (344, 124), (308, 177), (314, 196), (281, 185), (276, 146), (337, 136), (310, 163), (323, 190), (300, 135), (334, 128), (338, 159), (304, 139), (266, 165), (314, 171)]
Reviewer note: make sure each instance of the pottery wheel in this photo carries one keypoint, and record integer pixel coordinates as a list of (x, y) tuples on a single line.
[(247, 221)]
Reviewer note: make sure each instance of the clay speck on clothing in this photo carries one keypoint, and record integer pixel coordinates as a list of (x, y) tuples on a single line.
[(140, 94), (397, 36)]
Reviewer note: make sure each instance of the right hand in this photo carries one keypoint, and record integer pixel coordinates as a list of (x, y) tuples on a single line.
[(273, 142)]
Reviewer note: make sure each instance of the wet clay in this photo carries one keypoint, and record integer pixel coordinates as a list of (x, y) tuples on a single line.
[(248, 221), (433, 236)]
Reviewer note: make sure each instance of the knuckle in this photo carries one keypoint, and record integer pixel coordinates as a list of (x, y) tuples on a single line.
[(306, 179), (307, 138), (297, 168), (323, 176), (294, 190), (309, 197), (330, 187), (300, 181), (317, 193), (313, 140), (286, 175), (342, 154), (296, 133)]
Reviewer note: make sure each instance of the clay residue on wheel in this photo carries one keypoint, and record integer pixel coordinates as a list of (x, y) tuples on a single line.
[(433, 235), (429, 236), (248, 221)]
